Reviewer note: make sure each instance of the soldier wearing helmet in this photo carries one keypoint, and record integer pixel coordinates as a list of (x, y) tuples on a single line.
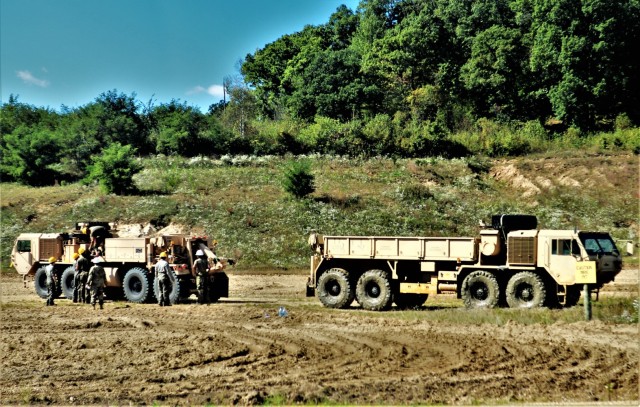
[(80, 292), (51, 280), (201, 272), (163, 272), (96, 280)]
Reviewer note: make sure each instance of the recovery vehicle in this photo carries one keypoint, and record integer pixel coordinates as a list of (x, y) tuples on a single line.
[(128, 263)]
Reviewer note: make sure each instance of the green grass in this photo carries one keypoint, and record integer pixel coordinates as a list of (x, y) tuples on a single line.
[(240, 200)]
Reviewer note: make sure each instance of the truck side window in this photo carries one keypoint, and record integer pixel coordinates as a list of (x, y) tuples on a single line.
[(561, 247), (575, 249), (24, 245)]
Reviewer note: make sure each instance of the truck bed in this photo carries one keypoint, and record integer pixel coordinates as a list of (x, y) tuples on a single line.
[(400, 248)]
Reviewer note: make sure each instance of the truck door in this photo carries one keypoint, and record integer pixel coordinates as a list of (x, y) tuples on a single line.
[(22, 256), (565, 252)]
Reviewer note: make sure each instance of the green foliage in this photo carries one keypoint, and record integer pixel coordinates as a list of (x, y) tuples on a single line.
[(297, 179), (114, 169)]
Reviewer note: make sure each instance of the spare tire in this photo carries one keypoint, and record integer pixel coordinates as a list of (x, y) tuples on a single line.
[(67, 282), (136, 285)]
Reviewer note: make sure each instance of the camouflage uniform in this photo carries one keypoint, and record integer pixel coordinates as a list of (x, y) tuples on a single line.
[(51, 283), (201, 267), (82, 270), (164, 282), (96, 280)]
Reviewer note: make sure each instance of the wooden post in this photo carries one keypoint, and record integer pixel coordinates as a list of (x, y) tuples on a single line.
[(587, 303)]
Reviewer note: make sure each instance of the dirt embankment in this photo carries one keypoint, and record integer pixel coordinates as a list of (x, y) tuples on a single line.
[(240, 351)]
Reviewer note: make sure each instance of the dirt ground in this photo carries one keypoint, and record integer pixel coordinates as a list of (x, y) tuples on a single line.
[(239, 351)]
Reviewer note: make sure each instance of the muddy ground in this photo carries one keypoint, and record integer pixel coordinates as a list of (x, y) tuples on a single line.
[(239, 351)]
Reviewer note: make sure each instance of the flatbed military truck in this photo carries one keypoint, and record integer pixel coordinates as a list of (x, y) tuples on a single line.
[(511, 263), (128, 263)]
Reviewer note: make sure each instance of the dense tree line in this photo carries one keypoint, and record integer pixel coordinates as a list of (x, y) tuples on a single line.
[(573, 61), (394, 77)]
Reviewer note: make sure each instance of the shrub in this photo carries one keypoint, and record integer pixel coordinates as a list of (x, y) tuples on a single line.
[(298, 180), (115, 168)]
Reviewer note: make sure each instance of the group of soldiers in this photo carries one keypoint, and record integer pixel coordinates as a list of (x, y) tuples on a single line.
[(89, 281), (200, 272)]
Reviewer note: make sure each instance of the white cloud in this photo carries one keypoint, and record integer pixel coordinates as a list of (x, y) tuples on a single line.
[(213, 90), (27, 77)]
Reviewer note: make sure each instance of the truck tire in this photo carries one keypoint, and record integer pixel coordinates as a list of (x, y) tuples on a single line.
[(40, 282), (135, 285), (174, 295), (526, 290), (480, 289), (373, 290), (408, 301), (334, 289), (219, 286), (67, 284)]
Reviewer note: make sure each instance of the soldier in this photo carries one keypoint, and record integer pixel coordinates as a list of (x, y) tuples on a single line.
[(97, 235), (201, 272), (51, 280), (82, 267), (96, 280), (75, 277), (163, 272)]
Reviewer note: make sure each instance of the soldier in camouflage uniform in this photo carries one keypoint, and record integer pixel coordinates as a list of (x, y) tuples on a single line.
[(163, 272), (96, 280), (51, 280), (201, 271), (82, 266)]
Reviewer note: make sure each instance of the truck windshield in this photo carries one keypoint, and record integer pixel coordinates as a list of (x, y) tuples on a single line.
[(598, 244)]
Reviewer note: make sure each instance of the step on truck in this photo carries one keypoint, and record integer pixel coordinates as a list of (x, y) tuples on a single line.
[(128, 263), (511, 263)]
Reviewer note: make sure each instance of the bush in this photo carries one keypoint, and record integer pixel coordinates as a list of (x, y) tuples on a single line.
[(115, 168), (298, 180)]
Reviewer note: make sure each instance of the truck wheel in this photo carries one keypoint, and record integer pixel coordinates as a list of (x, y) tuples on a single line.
[(334, 289), (373, 290), (408, 301), (67, 282), (136, 285), (526, 290), (40, 282), (174, 295), (480, 289)]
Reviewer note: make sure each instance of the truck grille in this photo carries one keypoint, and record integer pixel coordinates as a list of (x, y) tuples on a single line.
[(522, 250)]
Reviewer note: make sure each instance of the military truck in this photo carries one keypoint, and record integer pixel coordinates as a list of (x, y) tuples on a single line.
[(128, 263), (511, 263)]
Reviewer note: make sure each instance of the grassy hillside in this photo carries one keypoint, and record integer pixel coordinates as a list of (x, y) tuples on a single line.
[(240, 202)]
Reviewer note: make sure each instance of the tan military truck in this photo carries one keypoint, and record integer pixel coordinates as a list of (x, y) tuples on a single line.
[(128, 263), (511, 263)]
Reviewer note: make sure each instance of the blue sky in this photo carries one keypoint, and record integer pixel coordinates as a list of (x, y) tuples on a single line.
[(67, 52)]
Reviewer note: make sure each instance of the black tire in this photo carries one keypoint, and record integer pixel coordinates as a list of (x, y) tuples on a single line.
[(373, 290), (334, 289), (408, 301), (219, 286), (67, 283), (480, 289), (174, 295), (526, 290), (136, 285), (40, 282), (185, 288)]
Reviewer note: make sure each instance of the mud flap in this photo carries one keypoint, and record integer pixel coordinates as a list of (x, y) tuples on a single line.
[(220, 285)]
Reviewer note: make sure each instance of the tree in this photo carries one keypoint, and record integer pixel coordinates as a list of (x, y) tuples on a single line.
[(297, 179), (114, 169)]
